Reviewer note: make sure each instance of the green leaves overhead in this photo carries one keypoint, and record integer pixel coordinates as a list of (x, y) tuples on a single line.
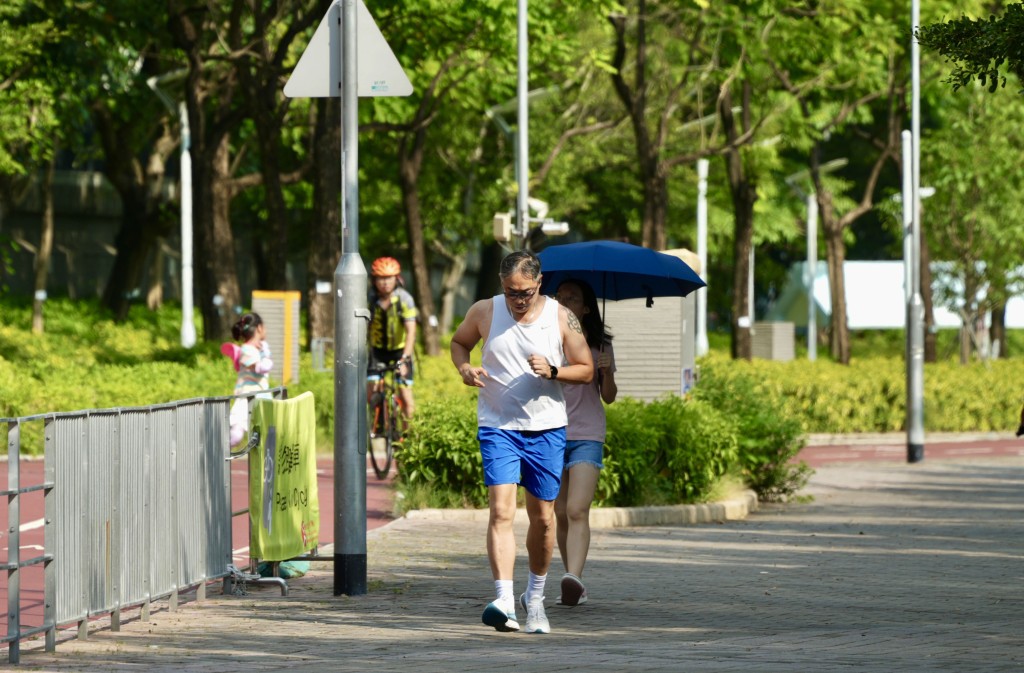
[(26, 95), (981, 49)]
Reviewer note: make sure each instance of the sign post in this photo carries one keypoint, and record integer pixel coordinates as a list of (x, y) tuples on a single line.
[(338, 63)]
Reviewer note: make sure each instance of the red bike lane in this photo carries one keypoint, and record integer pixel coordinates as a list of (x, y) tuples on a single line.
[(824, 450), (379, 500)]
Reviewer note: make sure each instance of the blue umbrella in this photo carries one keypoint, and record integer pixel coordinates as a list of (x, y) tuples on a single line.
[(617, 270)]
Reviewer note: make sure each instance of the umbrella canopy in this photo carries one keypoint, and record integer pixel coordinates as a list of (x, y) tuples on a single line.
[(618, 270)]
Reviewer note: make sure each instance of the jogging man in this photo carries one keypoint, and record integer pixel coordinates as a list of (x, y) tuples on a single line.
[(531, 346)]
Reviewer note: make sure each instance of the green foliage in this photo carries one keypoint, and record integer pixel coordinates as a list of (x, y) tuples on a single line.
[(980, 49), (745, 419), (441, 451), (768, 441), (634, 459), (869, 395), (702, 447), (26, 96), (669, 451)]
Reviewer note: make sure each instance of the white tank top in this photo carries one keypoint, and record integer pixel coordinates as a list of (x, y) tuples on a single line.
[(513, 397)]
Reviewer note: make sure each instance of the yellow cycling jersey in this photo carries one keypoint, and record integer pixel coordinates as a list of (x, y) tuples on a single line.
[(387, 327)]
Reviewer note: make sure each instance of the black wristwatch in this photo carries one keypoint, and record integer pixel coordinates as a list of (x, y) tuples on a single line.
[(554, 372)]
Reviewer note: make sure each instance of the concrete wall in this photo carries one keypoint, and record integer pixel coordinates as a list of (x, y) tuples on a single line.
[(654, 347)]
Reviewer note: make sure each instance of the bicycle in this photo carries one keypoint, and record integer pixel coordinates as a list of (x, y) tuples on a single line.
[(385, 419)]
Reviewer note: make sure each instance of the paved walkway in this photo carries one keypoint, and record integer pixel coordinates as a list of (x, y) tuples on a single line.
[(892, 567)]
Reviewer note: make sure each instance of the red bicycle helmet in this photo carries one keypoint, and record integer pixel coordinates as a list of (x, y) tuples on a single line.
[(385, 266)]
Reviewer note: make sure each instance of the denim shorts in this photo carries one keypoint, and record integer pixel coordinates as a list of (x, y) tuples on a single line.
[(584, 451), (531, 458)]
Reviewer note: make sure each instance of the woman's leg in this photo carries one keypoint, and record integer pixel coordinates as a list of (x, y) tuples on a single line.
[(582, 482), (562, 519)]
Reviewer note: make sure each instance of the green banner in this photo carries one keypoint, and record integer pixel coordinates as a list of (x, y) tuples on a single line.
[(284, 510)]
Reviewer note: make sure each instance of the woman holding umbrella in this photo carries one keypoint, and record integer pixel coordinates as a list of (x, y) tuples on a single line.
[(584, 440)]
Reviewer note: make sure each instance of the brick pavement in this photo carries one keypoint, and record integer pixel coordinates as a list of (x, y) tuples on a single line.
[(892, 567)]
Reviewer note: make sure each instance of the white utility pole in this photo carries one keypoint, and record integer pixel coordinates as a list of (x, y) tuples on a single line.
[(915, 310), (523, 132), (188, 326), (812, 274), (701, 295)]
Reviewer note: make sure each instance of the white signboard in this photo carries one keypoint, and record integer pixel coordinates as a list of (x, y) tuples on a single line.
[(318, 72)]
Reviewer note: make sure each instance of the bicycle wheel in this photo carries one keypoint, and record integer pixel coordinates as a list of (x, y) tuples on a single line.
[(399, 423), (379, 438)]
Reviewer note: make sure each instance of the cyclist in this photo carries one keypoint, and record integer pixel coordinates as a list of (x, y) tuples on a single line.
[(392, 331)]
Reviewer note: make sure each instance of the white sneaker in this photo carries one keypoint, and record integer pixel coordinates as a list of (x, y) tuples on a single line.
[(573, 591), (496, 616), (536, 619)]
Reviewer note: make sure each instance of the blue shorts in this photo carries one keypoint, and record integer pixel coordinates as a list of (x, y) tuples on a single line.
[(532, 458), (584, 451)]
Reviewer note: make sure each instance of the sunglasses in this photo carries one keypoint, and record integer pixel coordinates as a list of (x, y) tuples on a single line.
[(523, 295)]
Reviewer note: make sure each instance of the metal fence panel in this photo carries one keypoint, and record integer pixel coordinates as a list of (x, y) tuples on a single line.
[(138, 506), (67, 450), (216, 441), (133, 503), (163, 520), (102, 442), (193, 525)]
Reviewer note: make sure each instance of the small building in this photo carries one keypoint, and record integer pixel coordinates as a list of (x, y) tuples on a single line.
[(875, 297), (655, 347)]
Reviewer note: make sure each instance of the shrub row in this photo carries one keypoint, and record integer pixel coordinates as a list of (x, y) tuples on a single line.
[(673, 450), (870, 394)]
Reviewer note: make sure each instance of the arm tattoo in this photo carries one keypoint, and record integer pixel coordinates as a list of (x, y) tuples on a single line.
[(574, 322)]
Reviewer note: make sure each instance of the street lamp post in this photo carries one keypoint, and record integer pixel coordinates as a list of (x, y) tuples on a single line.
[(701, 345), (511, 226), (915, 310), (812, 275), (522, 227), (188, 327)]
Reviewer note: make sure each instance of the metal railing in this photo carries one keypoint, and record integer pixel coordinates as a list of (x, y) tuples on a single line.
[(137, 508)]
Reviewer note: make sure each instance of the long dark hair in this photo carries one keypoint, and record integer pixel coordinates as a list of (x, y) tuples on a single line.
[(593, 326), (246, 326)]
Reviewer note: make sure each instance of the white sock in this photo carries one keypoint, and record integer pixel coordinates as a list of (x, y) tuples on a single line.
[(535, 587), (506, 597)]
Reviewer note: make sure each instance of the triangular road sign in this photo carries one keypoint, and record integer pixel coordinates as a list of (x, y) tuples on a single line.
[(318, 72)]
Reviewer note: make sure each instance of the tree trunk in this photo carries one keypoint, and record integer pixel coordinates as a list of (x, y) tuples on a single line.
[(276, 244), (998, 331), (45, 247), (839, 341), (410, 161), (216, 274), (142, 220), (648, 151), (155, 295), (211, 121), (418, 253), (325, 230), (487, 284), (135, 240), (655, 208), (744, 195), (931, 350), (450, 283)]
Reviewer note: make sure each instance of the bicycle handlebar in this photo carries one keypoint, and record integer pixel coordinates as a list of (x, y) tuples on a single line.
[(381, 367)]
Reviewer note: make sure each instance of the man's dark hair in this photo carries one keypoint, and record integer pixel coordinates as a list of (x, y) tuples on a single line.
[(521, 261)]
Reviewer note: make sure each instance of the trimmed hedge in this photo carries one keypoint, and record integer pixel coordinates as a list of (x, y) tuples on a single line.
[(672, 450), (869, 395), (746, 418)]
